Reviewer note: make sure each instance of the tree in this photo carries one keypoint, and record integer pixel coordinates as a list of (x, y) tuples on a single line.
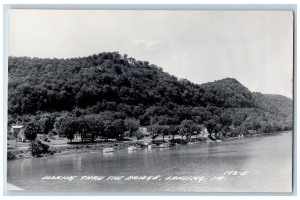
[(84, 129), (154, 131), (68, 127), (71, 130), (217, 130), (164, 131), (144, 120), (96, 127), (174, 130), (181, 131), (196, 129), (225, 130), (187, 128), (139, 134), (70, 136), (210, 126), (46, 123), (226, 119), (32, 130), (107, 87), (238, 118), (38, 148), (266, 127), (119, 127), (114, 129), (131, 125)]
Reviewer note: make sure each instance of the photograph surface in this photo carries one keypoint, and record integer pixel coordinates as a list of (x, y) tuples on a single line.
[(150, 101)]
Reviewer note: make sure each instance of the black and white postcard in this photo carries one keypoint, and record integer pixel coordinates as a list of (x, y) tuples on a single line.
[(150, 101)]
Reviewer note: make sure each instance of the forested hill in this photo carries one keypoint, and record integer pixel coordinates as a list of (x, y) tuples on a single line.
[(110, 85)]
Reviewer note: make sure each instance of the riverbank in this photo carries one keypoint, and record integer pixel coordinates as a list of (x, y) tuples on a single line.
[(89, 148), (77, 148), (74, 149)]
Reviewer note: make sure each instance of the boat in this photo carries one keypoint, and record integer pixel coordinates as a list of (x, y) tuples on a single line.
[(192, 143), (145, 144), (163, 145), (131, 148), (208, 140), (106, 150)]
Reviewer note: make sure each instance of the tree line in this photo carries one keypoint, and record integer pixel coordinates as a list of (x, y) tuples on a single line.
[(108, 94)]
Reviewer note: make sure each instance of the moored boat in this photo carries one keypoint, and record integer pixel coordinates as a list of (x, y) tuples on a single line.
[(192, 143), (164, 145), (131, 148), (106, 150)]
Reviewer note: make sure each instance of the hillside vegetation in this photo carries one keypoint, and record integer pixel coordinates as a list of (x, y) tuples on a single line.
[(108, 94)]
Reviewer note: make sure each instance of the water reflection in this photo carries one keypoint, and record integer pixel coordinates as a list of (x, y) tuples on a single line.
[(258, 155), (131, 152), (108, 154), (77, 162)]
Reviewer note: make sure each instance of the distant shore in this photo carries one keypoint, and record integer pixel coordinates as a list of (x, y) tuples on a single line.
[(116, 145)]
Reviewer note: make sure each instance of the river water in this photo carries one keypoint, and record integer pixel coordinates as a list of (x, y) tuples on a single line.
[(254, 164)]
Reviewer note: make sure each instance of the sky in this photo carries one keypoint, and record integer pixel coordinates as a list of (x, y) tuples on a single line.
[(255, 47)]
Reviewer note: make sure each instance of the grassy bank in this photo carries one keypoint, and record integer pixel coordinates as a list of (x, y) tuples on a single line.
[(74, 148)]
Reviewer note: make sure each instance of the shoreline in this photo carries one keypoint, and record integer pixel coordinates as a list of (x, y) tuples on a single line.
[(79, 148)]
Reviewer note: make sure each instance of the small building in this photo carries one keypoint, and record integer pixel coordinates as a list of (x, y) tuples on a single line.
[(204, 133), (252, 132), (18, 131), (144, 131), (86, 137)]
